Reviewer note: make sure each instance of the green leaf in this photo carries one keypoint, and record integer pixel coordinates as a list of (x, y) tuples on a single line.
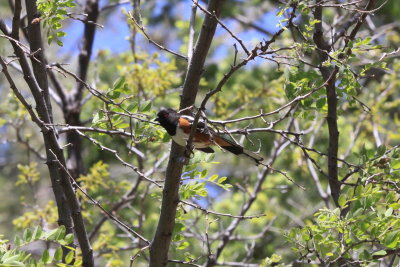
[(121, 125), (146, 106), (213, 178), (204, 173), (179, 227), (359, 190), (37, 233), (69, 238), (58, 254), (132, 107), (78, 262), (226, 187), (46, 257), (70, 256), (61, 233), (56, 234), (364, 42), (202, 192), (10, 260), (113, 94), (183, 245), (12, 264), (54, 20), (119, 82), (17, 241), (320, 102), (27, 235), (61, 12), (389, 212), (395, 206), (379, 253), (342, 200), (380, 150), (61, 34), (396, 164), (49, 39), (392, 239), (178, 237), (222, 179)]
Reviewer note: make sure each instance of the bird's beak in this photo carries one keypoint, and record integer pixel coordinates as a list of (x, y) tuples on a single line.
[(157, 119)]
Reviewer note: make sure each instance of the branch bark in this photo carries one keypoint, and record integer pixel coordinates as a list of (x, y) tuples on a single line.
[(323, 51), (162, 239), (37, 60), (36, 79), (72, 109), (67, 203), (64, 212)]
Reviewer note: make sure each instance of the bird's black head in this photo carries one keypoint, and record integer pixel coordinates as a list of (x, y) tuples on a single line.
[(168, 118)]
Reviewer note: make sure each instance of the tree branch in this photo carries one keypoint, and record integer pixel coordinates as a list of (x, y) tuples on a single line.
[(323, 51), (37, 60), (67, 203), (162, 239), (72, 109), (225, 237), (92, 11)]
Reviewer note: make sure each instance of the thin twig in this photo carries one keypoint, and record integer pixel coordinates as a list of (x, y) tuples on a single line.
[(97, 204), (141, 28)]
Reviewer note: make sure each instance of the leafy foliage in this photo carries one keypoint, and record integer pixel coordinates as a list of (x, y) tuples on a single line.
[(53, 13), (371, 226), (16, 256), (123, 149), (28, 174)]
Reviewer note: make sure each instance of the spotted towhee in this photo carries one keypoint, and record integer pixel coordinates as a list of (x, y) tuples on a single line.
[(179, 126)]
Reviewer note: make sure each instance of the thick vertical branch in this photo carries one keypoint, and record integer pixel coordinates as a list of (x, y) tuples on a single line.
[(36, 46), (63, 209), (333, 136), (162, 239), (92, 11), (67, 203), (16, 20), (73, 108), (323, 51)]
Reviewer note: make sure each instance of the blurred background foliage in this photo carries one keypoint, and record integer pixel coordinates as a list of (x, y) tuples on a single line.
[(144, 79)]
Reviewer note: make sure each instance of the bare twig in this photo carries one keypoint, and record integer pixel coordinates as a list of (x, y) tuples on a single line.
[(191, 30), (142, 29), (118, 157), (97, 204), (223, 26), (206, 211)]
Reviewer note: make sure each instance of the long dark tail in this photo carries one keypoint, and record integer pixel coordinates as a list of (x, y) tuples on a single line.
[(238, 150)]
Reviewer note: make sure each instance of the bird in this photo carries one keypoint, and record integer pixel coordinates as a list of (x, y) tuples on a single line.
[(179, 127)]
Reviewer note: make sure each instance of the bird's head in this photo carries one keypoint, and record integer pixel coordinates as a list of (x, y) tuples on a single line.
[(165, 114), (168, 118)]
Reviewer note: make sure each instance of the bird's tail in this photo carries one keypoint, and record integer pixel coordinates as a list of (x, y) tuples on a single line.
[(237, 149)]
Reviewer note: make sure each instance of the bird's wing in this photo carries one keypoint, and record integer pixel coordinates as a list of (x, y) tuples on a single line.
[(206, 134)]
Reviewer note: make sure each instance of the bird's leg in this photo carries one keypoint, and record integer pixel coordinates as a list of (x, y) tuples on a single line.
[(188, 154)]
